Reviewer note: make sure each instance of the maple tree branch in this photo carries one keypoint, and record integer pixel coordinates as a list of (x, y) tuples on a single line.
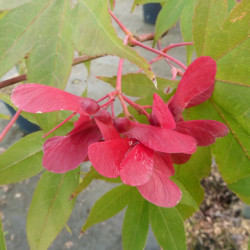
[(124, 29), (13, 80), (76, 61)]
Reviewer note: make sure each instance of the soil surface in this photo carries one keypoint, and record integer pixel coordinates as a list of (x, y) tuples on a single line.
[(219, 224)]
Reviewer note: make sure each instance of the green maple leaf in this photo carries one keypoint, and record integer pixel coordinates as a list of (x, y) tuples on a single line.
[(95, 35), (225, 37)]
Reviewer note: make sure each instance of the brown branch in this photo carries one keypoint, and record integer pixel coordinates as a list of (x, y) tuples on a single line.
[(13, 80), (77, 60)]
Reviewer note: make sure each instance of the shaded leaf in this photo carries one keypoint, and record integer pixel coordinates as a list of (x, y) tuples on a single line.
[(22, 160), (140, 85), (109, 205), (188, 177), (186, 27), (187, 197), (168, 227), (242, 187), (101, 38), (50, 207), (8, 5), (231, 4), (135, 224), (87, 179), (3, 116), (112, 4), (168, 16)]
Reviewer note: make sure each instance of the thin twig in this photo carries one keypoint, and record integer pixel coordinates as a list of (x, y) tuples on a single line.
[(77, 60)]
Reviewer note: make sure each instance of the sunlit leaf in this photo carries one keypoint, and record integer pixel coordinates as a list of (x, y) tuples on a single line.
[(101, 38), (50, 207), (228, 43), (22, 160), (208, 17)]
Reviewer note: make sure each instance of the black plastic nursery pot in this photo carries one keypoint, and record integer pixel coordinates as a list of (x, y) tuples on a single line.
[(26, 126), (150, 12)]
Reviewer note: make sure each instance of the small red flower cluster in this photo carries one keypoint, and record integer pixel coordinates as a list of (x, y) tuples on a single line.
[(140, 154)]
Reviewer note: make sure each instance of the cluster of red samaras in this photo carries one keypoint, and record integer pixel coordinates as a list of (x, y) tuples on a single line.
[(141, 154)]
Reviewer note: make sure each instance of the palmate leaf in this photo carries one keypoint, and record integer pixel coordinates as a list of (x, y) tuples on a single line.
[(186, 27), (188, 177), (4, 116), (45, 31), (17, 40), (50, 207), (22, 160), (51, 57), (91, 175), (168, 16), (227, 41), (8, 5), (139, 85), (168, 227), (109, 205), (136, 224), (94, 34)]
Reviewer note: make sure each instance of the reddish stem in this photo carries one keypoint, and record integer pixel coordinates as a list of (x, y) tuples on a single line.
[(167, 60), (103, 98), (7, 128), (119, 71), (124, 29), (112, 110), (13, 80), (135, 42), (137, 106), (171, 46), (60, 124), (119, 76), (125, 109), (107, 103)]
